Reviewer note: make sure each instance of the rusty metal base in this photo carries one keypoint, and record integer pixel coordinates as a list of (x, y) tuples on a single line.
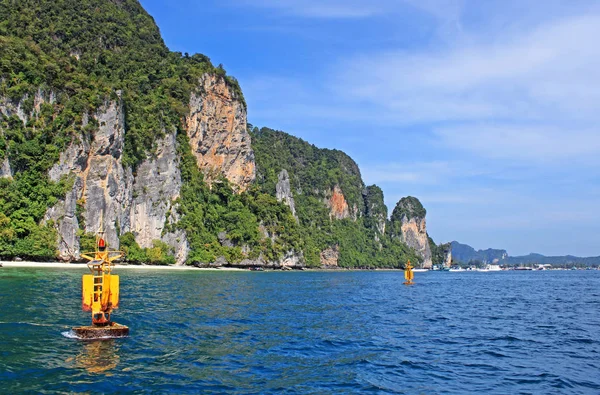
[(110, 331)]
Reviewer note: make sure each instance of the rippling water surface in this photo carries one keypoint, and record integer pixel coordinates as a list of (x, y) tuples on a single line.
[(307, 332)]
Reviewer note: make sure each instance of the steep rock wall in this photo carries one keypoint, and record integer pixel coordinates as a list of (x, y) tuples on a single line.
[(5, 169), (107, 186), (338, 207), (283, 191), (448, 257), (144, 203), (103, 187), (414, 234), (409, 224), (157, 185), (216, 126)]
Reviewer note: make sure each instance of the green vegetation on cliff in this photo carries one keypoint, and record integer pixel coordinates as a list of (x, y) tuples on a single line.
[(61, 60), (210, 212), (314, 173), (75, 55), (439, 252), (87, 51), (409, 207)]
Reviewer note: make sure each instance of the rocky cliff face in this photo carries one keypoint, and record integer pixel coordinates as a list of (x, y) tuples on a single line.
[(155, 189), (408, 221), (283, 191), (338, 207), (216, 126), (104, 189), (330, 256), (448, 257), (144, 203), (5, 170), (101, 186)]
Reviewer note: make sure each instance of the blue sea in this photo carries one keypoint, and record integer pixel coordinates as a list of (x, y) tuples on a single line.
[(307, 333)]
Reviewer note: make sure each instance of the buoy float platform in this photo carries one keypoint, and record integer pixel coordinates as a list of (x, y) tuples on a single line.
[(100, 292), (408, 274)]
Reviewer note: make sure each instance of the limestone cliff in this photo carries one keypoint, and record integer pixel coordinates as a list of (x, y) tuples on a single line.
[(155, 189), (448, 257), (216, 126), (330, 256), (144, 203), (408, 223), (283, 191), (112, 124), (102, 186), (338, 207), (5, 170)]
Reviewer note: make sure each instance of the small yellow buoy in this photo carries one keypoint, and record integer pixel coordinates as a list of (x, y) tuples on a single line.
[(408, 274)]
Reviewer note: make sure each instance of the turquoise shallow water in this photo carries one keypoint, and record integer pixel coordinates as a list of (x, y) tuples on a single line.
[(307, 332)]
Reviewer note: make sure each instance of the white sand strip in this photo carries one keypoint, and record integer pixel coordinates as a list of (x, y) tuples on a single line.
[(62, 265)]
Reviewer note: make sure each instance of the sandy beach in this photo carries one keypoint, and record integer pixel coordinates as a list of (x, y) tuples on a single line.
[(62, 265)]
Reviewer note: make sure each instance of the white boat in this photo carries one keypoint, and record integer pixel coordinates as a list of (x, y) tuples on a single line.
[(457, 269), (420, 270)]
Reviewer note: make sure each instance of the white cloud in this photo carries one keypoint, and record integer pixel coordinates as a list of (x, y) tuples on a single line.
[(423, 173), (526, 143), (324, 8), (444, 10), (551, 71)]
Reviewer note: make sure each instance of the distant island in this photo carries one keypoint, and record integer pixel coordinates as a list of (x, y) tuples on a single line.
[(463, 253)]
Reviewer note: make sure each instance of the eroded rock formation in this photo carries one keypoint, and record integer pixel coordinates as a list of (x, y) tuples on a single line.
[(448, 256), (103, 189), (216, 126), (330, 256), (144, 203), (5, 170), (408, 221), (338, 207), (283, 191)]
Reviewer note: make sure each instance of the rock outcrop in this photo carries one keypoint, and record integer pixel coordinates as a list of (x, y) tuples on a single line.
[(283, 191), (338, 207), (103, 189), (448, 256), (216, 126), (144, 203), (330, 256), (155, 189), (408, 221), (5, 169)]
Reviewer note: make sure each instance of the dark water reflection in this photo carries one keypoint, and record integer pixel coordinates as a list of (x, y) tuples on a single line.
[(357, 332)]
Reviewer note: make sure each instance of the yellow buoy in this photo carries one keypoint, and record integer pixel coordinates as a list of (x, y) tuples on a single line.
[(100, 292), (408, 274)]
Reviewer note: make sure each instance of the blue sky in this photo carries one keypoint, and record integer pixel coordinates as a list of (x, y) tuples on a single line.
[(487, 111)]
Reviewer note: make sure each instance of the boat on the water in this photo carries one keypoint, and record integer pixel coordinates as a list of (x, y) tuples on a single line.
[(420, 270)]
